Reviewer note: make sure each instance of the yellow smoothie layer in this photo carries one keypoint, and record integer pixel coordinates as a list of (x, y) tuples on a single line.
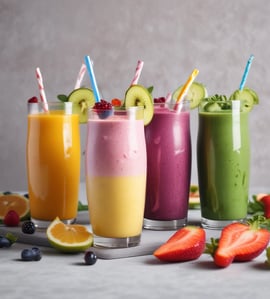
[(116, 205)]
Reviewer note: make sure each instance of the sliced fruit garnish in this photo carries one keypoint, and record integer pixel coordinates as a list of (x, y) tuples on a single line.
[(82, 99), (186, 244), (196, 93), (249, 97), (15, 202), (69, 237), (138, 95), (240, 242)]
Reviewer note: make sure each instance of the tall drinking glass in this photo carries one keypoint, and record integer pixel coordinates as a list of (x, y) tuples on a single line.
[(116, 176), (168, 144), (223, 156), (53, 162)]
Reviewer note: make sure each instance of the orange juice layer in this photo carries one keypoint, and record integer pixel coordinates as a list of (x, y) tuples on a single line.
[(53, 160), (116, 205)]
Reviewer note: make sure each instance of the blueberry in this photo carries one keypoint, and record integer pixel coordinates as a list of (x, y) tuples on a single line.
[(27, 255), (36, 254), (26, 195), (4, 242), (28, 227), (90, 258)]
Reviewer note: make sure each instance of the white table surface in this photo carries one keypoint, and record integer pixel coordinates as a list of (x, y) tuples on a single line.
[(59, 275)]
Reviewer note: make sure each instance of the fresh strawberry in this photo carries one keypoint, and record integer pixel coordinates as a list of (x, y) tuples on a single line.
[(266, 205), (11, 218), (241, 243), (116, 102), (186, 244)]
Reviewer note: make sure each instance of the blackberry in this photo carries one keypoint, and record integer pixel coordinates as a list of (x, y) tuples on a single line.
[(90, 258), (28, 227)]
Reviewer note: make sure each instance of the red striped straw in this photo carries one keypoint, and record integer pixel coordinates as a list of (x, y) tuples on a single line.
[(80, 76), (137, 72), (168, 97), (41, 90)]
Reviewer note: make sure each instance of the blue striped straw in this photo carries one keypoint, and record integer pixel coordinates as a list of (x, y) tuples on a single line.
[(244, 78), (92, 77)]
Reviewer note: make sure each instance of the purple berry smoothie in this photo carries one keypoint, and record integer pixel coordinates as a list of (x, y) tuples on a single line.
[(168, 144)]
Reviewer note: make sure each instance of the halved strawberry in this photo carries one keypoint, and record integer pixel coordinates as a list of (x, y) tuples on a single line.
[(241, 242), (266, 205), (186, 244)]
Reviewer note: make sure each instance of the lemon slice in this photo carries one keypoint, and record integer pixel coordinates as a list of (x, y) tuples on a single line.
[(249, 97), (69, 237), (196, 93), (16, 202)]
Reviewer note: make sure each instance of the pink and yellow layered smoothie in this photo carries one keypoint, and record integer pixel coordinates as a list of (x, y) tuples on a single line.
[(116, 176)]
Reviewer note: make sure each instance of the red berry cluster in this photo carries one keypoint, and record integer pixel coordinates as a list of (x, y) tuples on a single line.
[(102, 105), (160, 100)]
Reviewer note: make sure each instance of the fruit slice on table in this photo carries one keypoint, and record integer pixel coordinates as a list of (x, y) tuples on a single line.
[(69, 237), (137, 95), (15, 202), (249, 97), (82, 99), (239, 242), (196, 93), (186, 244)]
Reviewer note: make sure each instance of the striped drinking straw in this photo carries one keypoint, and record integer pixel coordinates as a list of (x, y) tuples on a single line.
[(137, 72), (80, 76), (41, 90)]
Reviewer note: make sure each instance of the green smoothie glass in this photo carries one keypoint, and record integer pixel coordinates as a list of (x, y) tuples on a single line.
[(223, 157)]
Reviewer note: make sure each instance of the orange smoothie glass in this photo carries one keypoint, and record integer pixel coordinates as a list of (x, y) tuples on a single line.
[(116, 176), (53, 162)]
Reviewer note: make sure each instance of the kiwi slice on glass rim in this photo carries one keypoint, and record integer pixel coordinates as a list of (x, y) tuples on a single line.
[(82, 99), (138, 95), (248, 96)]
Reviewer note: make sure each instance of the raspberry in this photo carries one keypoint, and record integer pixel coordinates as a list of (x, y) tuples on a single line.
[(12, 218), (28, 227), (33, 100), (160, 100)]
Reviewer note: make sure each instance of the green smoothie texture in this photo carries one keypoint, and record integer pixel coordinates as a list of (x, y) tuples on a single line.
[(223, 157)]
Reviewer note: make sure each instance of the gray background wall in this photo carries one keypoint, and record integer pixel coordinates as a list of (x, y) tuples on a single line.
[(172, 37)]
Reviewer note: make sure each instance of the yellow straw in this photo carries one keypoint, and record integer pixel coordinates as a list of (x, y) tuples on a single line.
[(186, 87)]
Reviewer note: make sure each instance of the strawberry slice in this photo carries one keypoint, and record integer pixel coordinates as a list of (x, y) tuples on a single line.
[(186, 244), (266, 205), (240, 242)]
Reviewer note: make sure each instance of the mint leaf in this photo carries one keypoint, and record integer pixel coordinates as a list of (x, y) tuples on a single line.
[(150, 89), (62, 98), (255, 207)]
